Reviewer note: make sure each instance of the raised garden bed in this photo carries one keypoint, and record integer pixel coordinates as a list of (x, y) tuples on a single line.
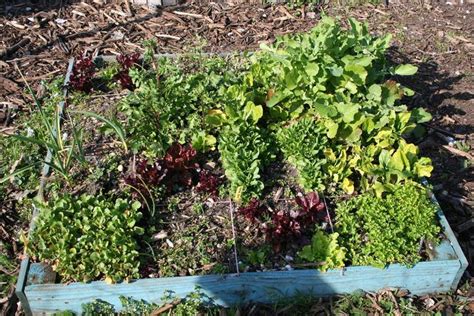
[(441, 274), (240, 175)]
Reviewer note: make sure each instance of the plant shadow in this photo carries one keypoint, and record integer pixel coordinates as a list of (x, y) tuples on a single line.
[(448, 98), (17, 8)]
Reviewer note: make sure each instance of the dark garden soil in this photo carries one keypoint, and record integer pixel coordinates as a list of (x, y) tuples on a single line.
[(439, 38)]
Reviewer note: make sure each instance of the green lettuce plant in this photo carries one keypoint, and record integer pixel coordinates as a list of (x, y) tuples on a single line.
[(244, 152), (325, 251), (303, 145), (340, 79), (88, 238)]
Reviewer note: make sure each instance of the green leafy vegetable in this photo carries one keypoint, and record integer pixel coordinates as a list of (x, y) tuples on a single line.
[(324, 250), (244, 152), (303, 144), (390, 229), (88, 238)]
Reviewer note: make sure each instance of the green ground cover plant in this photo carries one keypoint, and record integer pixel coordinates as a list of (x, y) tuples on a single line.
[(386, 230)]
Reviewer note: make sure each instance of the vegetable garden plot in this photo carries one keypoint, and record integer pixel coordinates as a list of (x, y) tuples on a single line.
[(250, 177)]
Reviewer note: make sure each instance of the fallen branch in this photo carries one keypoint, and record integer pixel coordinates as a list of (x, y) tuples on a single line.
[(168, 36), (193, 15), (458, 152), (14, 48), (45, 76)]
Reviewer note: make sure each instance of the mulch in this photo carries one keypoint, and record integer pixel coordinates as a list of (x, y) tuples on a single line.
[(40, 41)]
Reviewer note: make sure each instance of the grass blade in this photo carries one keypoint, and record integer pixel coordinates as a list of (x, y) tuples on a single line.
[(112, 124), (44, 118), (17, 172), (36, 141)]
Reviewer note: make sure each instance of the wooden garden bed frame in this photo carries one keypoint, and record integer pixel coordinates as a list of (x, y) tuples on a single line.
[(39, 294)]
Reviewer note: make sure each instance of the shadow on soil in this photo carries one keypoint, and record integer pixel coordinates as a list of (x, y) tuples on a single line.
[(446, 97), (16, 8)]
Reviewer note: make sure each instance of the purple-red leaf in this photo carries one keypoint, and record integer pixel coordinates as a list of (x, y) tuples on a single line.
[(179, 160), (310, 203), (126, 62), (253, 210), (82, 74), (146, 175), (208, 183)]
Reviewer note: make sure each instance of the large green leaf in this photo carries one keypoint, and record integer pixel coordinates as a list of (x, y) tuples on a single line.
[(332, 128), (357, 72), (406, 70), (420, 115), (253, 111)]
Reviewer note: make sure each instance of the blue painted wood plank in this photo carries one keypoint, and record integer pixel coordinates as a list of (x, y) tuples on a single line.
[(40, 273), (423, 278), (453, 242)]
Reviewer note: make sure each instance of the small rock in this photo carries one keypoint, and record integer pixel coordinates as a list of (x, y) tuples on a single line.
[(428, 302), (118, 35), (60, 21), (161, 235)]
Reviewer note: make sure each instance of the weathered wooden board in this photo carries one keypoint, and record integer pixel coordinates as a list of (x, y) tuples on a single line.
[(425, 277)]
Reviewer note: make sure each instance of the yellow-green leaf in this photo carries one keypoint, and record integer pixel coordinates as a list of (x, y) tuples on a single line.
[(348, 186)]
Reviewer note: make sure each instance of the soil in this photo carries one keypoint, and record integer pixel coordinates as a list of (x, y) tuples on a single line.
[(438, 37)]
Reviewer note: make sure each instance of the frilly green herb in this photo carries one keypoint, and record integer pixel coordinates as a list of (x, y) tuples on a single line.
[(390, 229)]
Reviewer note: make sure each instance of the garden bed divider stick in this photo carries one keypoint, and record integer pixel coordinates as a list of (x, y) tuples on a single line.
[(23, 276), (236, 257)]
